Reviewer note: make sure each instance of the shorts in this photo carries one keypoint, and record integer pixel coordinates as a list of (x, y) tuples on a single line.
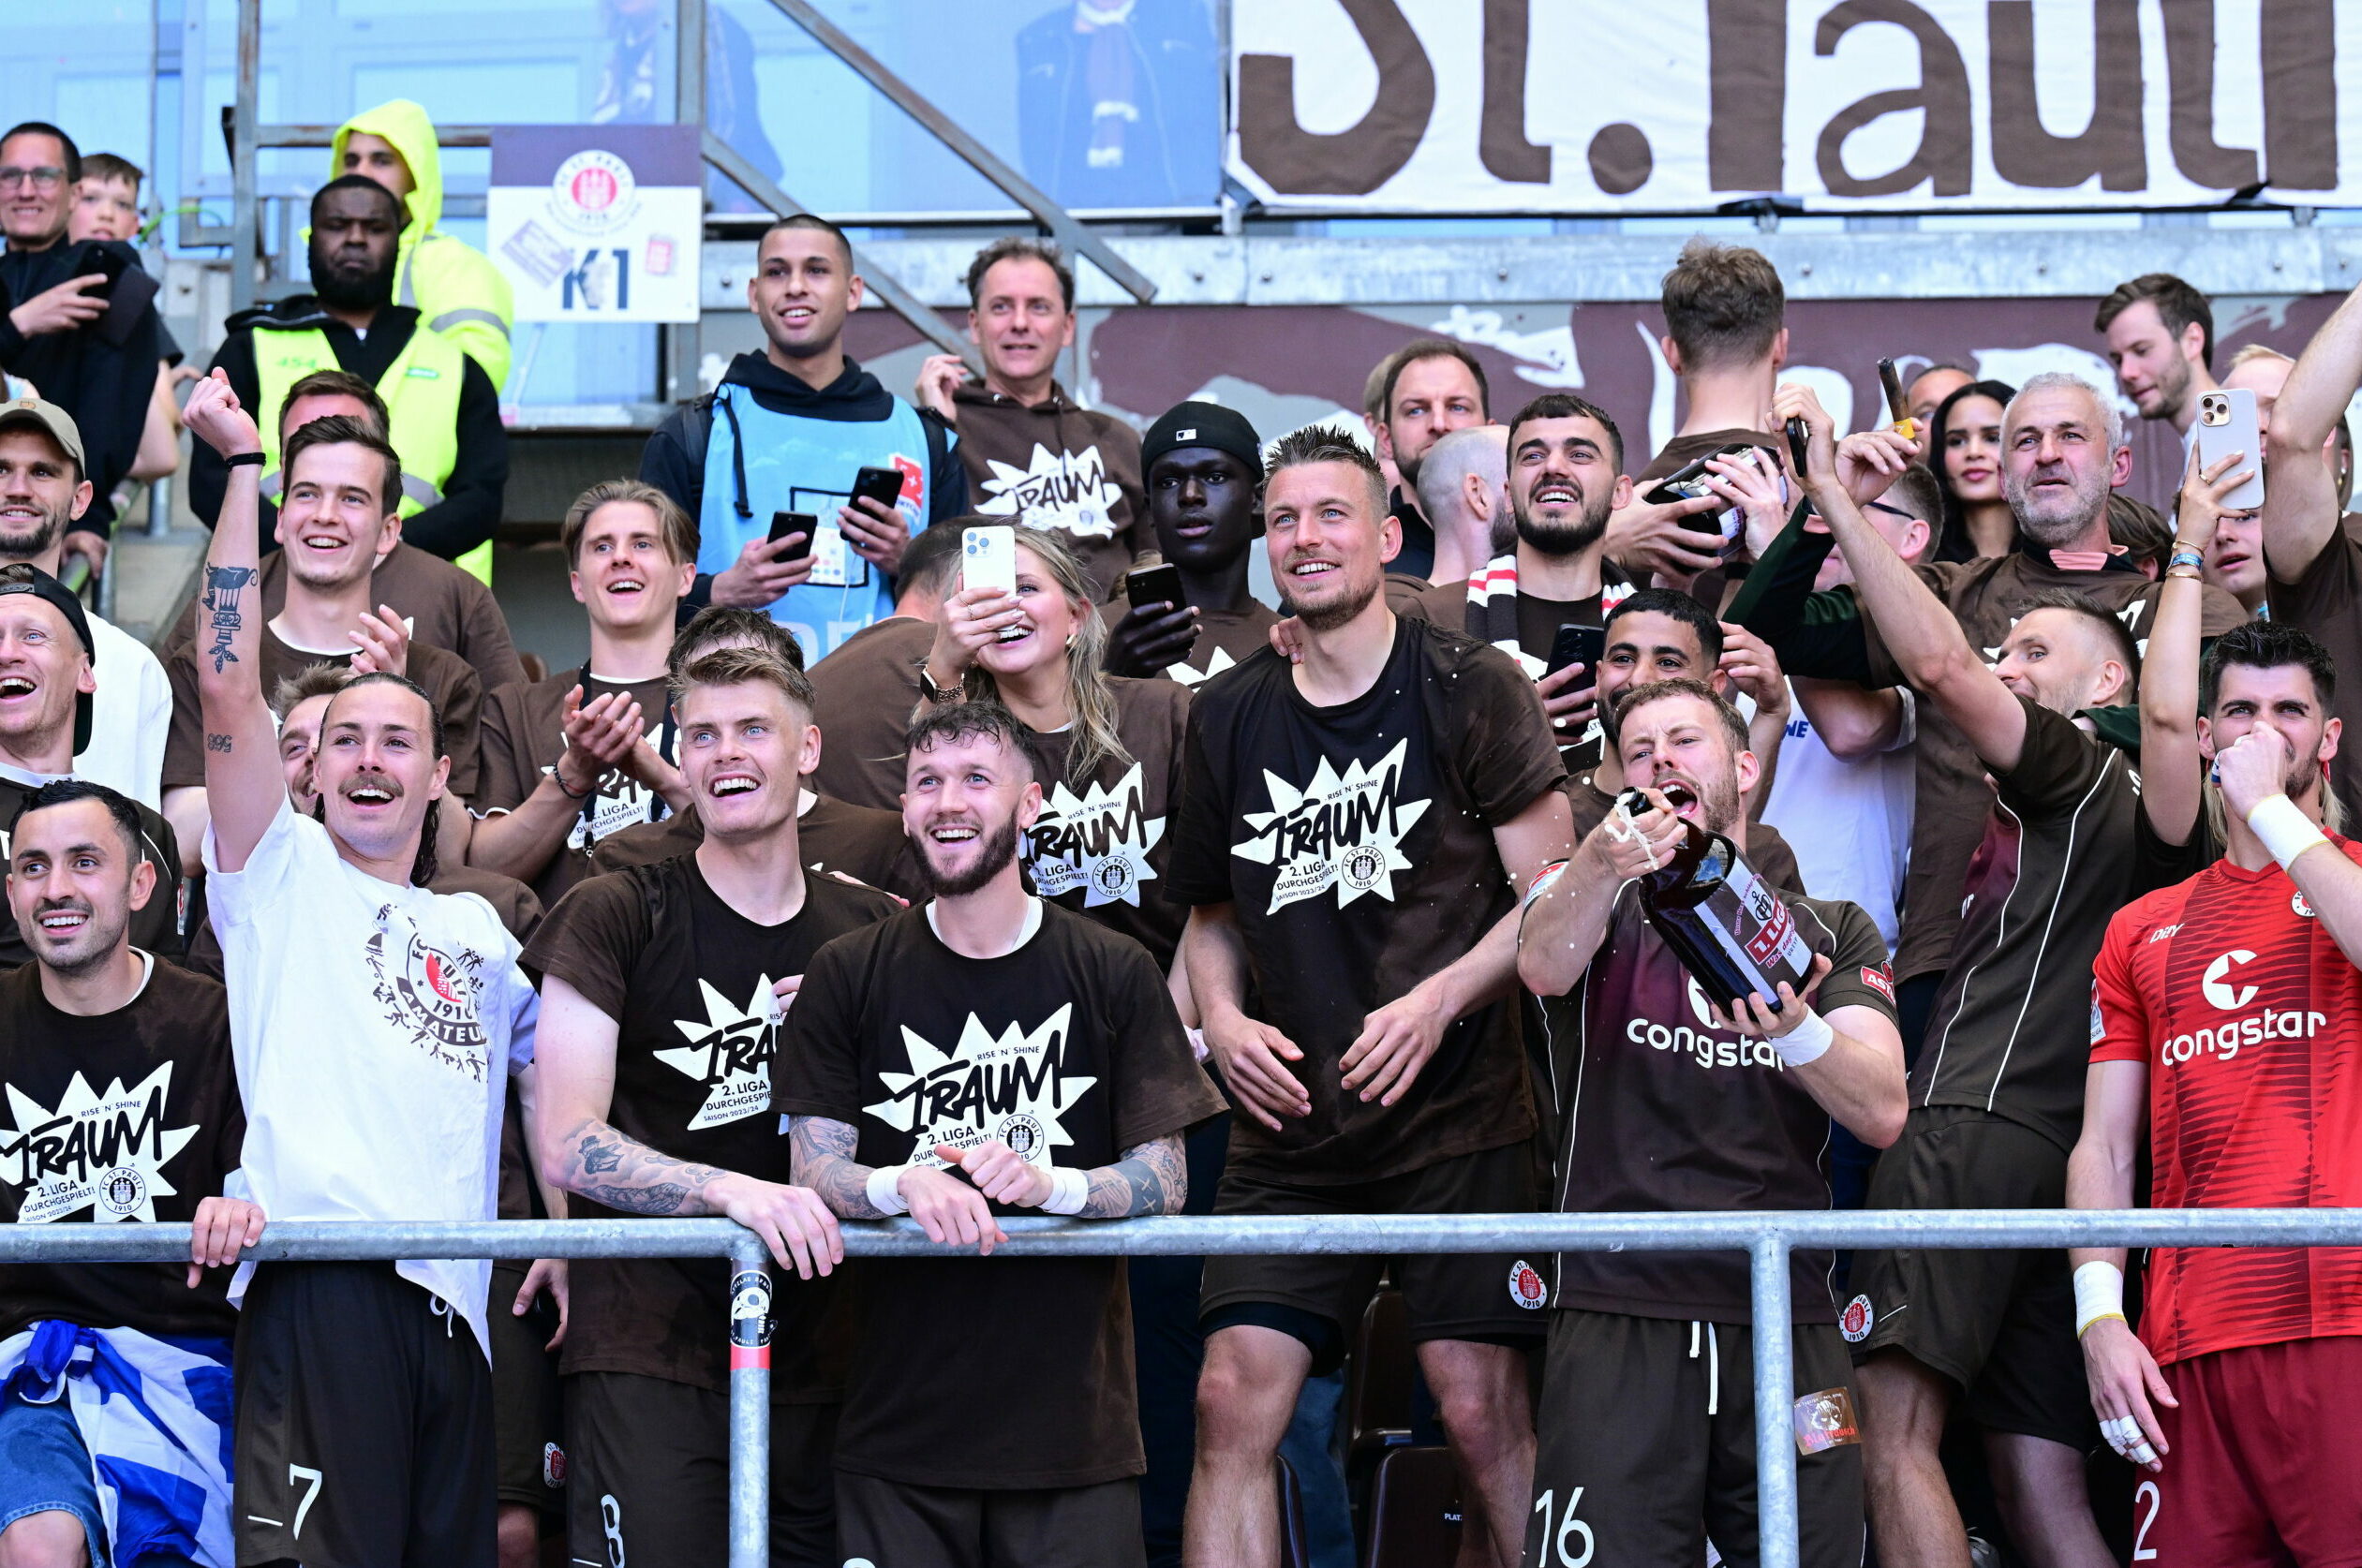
[(1447, 1295), (364, 1424), (526, 1438), (45, 1468), (887, 1524), (2000, 1323), (2264, 1468), (1647, 1446), (648, 1475)]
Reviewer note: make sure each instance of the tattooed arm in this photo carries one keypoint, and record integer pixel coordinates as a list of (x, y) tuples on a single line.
[(1149, 1178), (581, 1151), (825, 1163), (242, 778)]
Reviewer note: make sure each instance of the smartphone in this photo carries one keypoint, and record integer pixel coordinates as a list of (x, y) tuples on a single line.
[(1891, 381), (1799, 443), (104, 262), (1153, 584), (987, 557), (2226, 423), (1688, 481), (786, 523), (1578, 645), (882, 485)]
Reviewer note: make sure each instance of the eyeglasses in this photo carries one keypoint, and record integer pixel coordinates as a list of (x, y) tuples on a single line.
[(1892, 512), (39, 179)]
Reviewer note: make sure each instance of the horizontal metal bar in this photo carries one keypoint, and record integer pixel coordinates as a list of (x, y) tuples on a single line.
[(1188, 1235), (325, 135)]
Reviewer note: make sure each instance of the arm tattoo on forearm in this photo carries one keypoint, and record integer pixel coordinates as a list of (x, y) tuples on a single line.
[(625, 1173), (824, 1163), (1149, 1178), (223, 585)]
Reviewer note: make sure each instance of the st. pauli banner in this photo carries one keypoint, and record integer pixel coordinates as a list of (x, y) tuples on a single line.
[(598, 223), (1672, 106)]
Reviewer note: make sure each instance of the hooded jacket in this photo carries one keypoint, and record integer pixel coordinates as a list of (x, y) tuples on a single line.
[(1058, 466), (455, 287), (103, 373), (469, 511)]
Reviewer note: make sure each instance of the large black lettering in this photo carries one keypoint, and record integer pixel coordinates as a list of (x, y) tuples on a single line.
[(1945, 156), (2111, 145), (1351, 162)]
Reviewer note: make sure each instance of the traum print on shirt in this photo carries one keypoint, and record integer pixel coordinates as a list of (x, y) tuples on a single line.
[(1068, 491), (1339, 830), (1098, 841), (429, 994), (1012, 1085), (729, 1052), (103, 1152)]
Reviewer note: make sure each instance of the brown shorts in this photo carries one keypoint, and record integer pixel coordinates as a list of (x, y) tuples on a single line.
[(527, 1434), (889, 1523)]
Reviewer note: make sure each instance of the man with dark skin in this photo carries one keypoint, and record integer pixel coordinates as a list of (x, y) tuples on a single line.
[(1204, 477)]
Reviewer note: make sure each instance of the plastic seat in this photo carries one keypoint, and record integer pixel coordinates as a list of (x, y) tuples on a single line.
[(1380, 1372), (1415, 1512)]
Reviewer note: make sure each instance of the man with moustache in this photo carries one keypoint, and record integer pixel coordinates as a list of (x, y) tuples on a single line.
[(445, 414), (1352, 827), (1205, 499)]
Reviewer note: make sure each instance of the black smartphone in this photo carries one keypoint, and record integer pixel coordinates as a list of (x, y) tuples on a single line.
[(103, 261), (1578, 645), (1688, 481), (1153, 584), (1799, 442), (786, 523), (882, 485)]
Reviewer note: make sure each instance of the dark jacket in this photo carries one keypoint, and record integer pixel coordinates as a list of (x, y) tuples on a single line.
[(673, 460), (103, 373), (469, 511)]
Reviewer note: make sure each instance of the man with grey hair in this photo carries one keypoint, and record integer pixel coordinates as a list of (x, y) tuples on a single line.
[(1460, 492), (2062, 443)]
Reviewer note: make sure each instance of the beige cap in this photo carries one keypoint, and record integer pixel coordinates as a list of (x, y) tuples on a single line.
[(51, 417)]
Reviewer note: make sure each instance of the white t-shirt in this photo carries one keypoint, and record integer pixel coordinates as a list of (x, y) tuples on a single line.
[(130, 714), (1850, 822), (372, 1026)]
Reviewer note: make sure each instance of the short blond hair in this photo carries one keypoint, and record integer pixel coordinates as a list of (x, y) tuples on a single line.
[(679, 529)]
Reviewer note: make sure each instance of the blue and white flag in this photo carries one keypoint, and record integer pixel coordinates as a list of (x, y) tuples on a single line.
[(155, 1417)]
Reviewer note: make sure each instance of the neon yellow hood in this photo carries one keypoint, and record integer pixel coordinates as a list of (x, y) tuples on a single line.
[(405, 125)]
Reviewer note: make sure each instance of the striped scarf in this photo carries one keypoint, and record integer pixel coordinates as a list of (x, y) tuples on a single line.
[(1492, 608)]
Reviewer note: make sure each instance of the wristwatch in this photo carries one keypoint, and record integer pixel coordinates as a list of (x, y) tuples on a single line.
[(933, 693)]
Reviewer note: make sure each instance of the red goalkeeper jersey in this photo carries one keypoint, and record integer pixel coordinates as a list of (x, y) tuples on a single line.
[(2249, 1021)]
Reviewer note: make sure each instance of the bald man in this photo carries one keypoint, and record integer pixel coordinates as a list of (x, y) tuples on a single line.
[(1460, 491)]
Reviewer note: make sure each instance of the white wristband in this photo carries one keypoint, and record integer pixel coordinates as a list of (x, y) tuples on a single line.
[(884, 1191), (2284, 828), (2099, 1294), (1807, 1042), (1069, 1189)]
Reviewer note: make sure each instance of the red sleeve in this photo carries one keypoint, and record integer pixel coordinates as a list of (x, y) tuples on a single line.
[(2120, 1013)]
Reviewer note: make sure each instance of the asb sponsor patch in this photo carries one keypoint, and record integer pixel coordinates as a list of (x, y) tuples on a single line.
[(1526, 1288), (1857, 1320), (1880, 977)]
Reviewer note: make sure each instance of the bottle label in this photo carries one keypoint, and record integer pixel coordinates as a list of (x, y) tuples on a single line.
[(1767, 930)]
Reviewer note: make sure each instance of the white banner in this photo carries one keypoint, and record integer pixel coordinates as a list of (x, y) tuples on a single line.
[(597, 223), (1604, 106)]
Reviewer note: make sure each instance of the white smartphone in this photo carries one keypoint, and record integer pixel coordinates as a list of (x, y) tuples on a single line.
[(2226, 423), (987, 556)]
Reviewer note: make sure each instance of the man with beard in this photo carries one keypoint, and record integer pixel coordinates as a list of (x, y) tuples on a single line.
[(43, 488), (987, 1054), (2161, 340), (445, 414), (1351, 830), (663, 988), (46, 710), (125, 1108), (1431, 387), (1669, 1102), (2063, 450), (373, 1022), (1205, 499), (338, 523)]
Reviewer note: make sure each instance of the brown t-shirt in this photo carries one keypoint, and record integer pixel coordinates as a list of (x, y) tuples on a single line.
[(1660, 1112), (991, 1372), (1538, 621), (521, 738), (2010, 1033), (1059, 467), (688, 981), (1356, 844), (1224, 638), (862, 697), (1100, 847), (1767, 854), (830, 837), (1988, 595), (130, 1116), (2326, 602), (445, 606), (457, 693)]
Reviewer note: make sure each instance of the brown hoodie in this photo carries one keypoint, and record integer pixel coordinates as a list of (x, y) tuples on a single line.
[(1057, 466)]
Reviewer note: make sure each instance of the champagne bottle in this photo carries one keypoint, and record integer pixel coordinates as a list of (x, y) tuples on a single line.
[(1731, 931)]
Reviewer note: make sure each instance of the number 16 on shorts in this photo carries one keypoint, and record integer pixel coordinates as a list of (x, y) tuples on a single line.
[(1565, 1540)]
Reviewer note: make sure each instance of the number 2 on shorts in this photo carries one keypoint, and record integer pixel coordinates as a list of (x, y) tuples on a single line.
[(1555, 1551)]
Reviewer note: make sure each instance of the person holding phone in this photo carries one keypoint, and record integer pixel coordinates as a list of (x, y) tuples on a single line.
[(790, 429), (1195, 616)]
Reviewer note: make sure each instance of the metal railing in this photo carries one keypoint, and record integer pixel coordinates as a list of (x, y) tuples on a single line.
[(1767, 1239)]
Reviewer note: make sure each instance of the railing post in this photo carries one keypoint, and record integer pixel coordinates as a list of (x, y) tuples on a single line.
[(1774, 1407), (749, 1403)]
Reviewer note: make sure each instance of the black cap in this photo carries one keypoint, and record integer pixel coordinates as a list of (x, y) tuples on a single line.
[(1202, 425), (18, 577)]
